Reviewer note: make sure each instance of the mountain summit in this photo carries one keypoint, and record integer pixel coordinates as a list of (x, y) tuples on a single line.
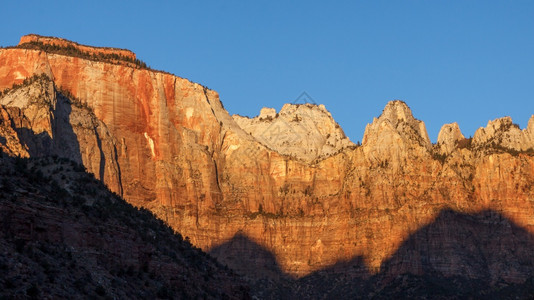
[(397, 120), (305, 131)]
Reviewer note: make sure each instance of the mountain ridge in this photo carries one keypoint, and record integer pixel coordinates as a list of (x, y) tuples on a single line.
[(169, 145)]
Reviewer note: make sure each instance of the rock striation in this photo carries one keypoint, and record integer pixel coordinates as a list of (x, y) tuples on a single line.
[(306, 204)]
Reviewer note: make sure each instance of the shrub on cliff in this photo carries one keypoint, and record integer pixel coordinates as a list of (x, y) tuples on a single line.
[(70, 50)]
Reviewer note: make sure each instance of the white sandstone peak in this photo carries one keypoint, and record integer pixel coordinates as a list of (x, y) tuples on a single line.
[(306, 131), (400, 117), (503, 132), (448, 137)]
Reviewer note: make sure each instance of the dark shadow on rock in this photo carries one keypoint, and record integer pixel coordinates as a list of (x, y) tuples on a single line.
[(64, 142), (336, 281), (102, 167), (247, 257), (257, 265), (260, 267), (458, 256)]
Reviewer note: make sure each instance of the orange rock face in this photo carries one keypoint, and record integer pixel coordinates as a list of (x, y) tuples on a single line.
[(167, 144)]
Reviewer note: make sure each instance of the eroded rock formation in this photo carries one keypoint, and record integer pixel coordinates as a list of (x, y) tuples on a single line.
[(305, 131), (167, 144), (449, 136), (504, 133)]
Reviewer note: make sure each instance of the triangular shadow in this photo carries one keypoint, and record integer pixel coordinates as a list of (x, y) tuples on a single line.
[(64, 142)]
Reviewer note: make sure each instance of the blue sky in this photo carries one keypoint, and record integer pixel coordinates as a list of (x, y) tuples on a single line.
[(463, 61)]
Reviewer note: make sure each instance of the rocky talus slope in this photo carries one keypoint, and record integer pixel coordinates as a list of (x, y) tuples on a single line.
[(268, 210)]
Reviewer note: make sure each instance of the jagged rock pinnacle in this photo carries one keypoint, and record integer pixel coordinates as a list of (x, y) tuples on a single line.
[(267, 112), (397, 116), (503, 132), (396, 111), (448, 136)]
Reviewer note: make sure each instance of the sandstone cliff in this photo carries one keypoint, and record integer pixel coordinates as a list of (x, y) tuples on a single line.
[(167, 144)]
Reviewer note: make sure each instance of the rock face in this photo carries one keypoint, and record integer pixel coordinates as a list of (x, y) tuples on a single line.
[(505, 133), (397, 120), (45, 122), (394, 136), (449, 136), (10, 142), (304, 131), (167, 144)]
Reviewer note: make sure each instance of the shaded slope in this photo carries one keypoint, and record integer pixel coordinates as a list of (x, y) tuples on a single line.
[(64, 235)]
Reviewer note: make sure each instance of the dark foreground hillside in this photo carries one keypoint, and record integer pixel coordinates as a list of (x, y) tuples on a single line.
[(64, 235)]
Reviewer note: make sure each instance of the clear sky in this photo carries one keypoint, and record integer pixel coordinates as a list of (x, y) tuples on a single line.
[(463, 61)]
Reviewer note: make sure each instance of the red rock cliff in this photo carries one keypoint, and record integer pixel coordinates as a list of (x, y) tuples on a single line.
[(167, 144)]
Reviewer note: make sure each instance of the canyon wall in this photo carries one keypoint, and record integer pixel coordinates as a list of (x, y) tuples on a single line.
[(168, 144)]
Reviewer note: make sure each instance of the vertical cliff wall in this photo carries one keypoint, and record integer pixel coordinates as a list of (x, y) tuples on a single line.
[(168, 144)]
